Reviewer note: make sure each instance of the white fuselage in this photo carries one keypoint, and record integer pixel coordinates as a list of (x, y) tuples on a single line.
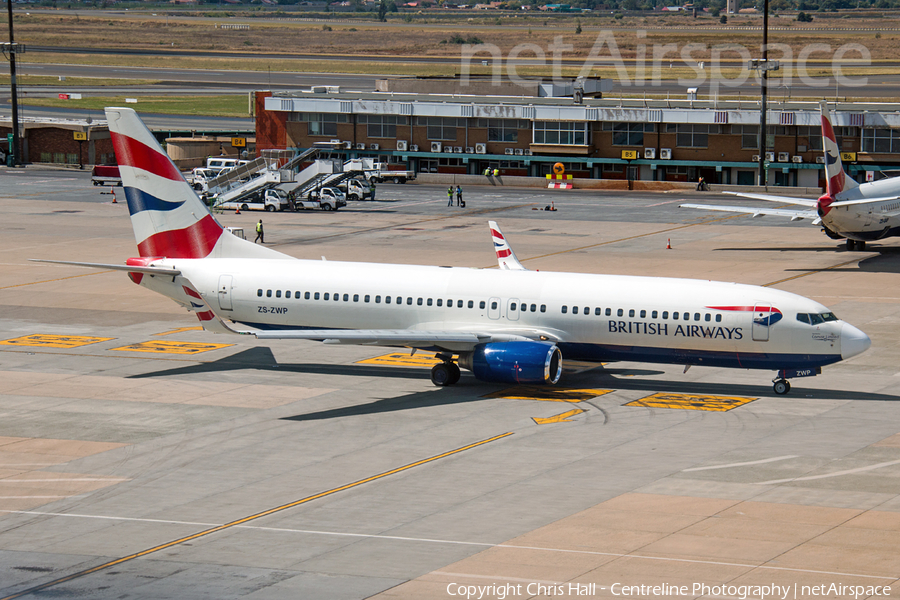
[(590, 317), (869, 221)]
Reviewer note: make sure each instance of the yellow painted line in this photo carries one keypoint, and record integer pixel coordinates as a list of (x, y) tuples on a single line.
[(560, 418), (180, 329), (259, 515), (172, 347), (401, 359), (546, 393), (54, 341), (691, 401), (6, 287)]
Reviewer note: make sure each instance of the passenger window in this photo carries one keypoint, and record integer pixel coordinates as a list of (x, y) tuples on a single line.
[(687, 316), (493, 306), (471, 304), (419, 302), (587, 310), (377, 299), (326, 296), (665, 314), (696, 316), (287, 294), (347, 297), (366, 299), (459, 303), (631, 312), (643, 314), (387, 299), (608, 312), (803, 318), (718, 318), (428, 302), (449, 303), (565, 309), (708, 317), (574, 310), (543, 308), (399, 299), (278, 293), (259, 292), (317, 296), (674, 315), (654, 314), (620, 312), (297, 295), (409, 301), (440, 301), (481, 304), (268, 293), (356, 298), (306, 295)]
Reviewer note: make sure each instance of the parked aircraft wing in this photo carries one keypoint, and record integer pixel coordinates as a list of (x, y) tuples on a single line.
[(794, 214), (786, 199), (864, 201)]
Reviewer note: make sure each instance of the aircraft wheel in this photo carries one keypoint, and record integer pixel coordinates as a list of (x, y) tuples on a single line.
[(851, 244), (441, 375), (454, 372), (782, 387), (860, 246)]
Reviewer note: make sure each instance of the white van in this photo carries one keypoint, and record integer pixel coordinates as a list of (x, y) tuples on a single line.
[(220, 163)]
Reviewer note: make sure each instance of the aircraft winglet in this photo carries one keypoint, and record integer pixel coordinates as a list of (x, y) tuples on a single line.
[(505, 255)]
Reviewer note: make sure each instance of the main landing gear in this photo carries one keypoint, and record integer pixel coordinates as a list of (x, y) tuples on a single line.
[(856, 245), (446, 372)]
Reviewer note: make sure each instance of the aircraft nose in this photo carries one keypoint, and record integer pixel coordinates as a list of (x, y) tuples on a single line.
[(853, 341)]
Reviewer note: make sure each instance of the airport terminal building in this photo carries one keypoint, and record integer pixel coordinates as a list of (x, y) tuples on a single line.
[(599, 138)]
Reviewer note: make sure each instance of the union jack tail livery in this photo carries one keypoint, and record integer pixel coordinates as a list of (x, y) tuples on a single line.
[(505, 255), (168, 217), (837, 180)]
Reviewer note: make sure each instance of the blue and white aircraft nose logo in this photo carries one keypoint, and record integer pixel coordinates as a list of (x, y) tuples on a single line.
[(767, 320)]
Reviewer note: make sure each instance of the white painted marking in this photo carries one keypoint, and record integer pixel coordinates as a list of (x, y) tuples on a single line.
[(27, 497), (462, 543), (741, 464), (835, 474), (64, 479)]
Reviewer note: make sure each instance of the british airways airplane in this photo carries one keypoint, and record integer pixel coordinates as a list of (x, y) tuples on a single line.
[(509, 325), (858, 212)]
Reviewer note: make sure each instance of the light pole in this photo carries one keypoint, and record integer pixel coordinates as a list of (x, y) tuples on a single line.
[(763, 67), (11, 49)]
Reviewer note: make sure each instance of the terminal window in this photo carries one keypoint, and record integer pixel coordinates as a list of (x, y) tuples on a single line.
[(565, 133), (381, 126), (881, 140), (628, 134)]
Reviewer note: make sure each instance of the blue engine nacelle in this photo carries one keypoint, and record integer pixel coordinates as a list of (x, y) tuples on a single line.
[(514, 362)]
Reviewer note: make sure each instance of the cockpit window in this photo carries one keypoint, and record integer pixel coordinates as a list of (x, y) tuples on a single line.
[(816, 319)]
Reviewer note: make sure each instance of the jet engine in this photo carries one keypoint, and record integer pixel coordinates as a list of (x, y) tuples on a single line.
[(514, 362)]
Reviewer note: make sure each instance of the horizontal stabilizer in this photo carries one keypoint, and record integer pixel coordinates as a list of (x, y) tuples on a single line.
[(786, 199), (131, 269), (793, 214), (863, 201)]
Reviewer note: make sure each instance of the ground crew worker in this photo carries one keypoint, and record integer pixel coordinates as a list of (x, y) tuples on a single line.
[(496, 172), (372, 191), (259, 233), (450, 196), (487, 172), (458, 195)]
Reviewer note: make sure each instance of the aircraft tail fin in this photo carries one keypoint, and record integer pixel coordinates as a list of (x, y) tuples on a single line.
[(837, 180), (168, 217), (505, 255)]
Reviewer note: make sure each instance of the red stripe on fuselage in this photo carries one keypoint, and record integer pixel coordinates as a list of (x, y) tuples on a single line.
[(132, 153), (746, 308), (196, 241)]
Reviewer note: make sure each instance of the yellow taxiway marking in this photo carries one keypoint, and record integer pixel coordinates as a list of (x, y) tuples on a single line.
[(401, 359), (172, 347), (258, 515), (180, 329), (54, 341), (546, 393), (691, 401), (560, 418)]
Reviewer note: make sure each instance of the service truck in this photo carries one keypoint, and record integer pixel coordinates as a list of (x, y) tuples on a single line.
[(326, 198), (355, 190), (381, 173), (270, 200)]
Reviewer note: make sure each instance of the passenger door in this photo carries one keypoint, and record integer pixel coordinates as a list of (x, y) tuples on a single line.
[(762, 314), (225, 292)]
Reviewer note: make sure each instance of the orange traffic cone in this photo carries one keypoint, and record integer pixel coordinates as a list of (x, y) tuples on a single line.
[(237, 210), (668, 243), (114, 196)]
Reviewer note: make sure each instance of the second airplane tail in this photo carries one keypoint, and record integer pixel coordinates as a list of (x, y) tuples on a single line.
[(837, 180)]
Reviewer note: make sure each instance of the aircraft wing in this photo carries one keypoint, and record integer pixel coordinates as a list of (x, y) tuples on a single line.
[(794, 214), (812, 202), (864, 201)]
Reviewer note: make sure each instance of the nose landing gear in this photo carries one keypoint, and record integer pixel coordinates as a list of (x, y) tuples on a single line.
[(782, 386)]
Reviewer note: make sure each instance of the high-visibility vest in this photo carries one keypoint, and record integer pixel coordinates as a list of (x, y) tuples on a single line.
[(258, 227)]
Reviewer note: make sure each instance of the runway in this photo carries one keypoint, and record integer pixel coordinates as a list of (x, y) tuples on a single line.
[(143, 458)]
